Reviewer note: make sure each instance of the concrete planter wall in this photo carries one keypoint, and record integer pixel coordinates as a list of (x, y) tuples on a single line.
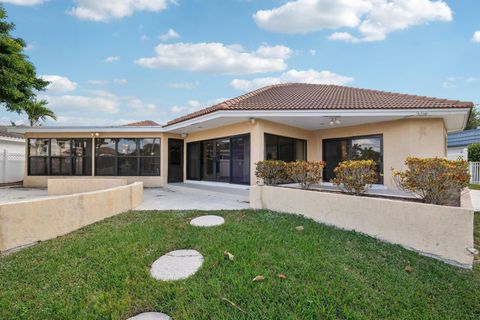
[(442, 232), (26, 222)]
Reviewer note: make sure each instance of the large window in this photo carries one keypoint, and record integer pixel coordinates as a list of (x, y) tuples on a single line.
[(284, 148), (59, 156), (127, 157), (352, 148)]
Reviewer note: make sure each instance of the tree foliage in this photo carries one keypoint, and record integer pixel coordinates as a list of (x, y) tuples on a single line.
[(473, 119), (37, 111), (18, 78), (474, 152)]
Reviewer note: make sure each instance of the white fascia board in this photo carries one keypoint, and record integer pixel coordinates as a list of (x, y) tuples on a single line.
[(4, 138), (319, 113), (86, 129)]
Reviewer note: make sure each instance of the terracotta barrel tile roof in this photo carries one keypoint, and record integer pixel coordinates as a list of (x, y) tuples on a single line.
[(300, 96), (144, 123)]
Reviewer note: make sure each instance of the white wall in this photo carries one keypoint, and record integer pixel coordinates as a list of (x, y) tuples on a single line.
[(455, 153)]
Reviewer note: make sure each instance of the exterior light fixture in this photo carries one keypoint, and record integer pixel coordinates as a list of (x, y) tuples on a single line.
[(252, 120), (184, 135), (335, 121)]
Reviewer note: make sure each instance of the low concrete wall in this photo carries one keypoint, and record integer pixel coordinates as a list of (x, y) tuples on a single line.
[(57, 187), (26, 222), (442, 232)]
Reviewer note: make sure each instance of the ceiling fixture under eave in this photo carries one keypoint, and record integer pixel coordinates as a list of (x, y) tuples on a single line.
[(335, 121)]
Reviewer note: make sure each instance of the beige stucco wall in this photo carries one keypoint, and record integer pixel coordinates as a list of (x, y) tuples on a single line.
[(58, 187), (401, 138), (439, 231), (26, 222), (257, 132)]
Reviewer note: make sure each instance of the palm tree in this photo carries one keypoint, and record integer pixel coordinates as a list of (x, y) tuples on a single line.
[(37, 111)]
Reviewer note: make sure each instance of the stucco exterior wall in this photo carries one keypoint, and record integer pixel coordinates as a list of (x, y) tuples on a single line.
[(401, 138), (257, 132), (58, 187), (26, 222), (438, 231)]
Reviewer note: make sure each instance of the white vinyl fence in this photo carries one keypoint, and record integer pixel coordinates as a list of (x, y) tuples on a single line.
[(12, 166), (474, 168)]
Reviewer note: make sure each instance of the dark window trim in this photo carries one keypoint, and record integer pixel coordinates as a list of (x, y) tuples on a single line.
[(48, 158), (138, 156), (305, 152), (349, 139), (230, 154)]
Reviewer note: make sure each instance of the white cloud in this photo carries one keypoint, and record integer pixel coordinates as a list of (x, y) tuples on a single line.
[(100, 103), (24, 2), (97, 82), (111, 59), (476, 36), (312, 52), (103, 11), (194, 105), (454, 82), (120, 81), (373, 19), (217, 58), (59, 84), (292, 76), (170, 34), (184, 85)]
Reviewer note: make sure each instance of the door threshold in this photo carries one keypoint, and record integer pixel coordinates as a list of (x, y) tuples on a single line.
[(219, 184)]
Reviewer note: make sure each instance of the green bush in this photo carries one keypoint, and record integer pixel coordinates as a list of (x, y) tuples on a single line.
[(305, 173), (355, 176), (435, 180), (474, 152), (271, 172)]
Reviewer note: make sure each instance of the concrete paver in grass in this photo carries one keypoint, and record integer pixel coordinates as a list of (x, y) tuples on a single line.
[(150, 316), (176, 265), (207, 221)]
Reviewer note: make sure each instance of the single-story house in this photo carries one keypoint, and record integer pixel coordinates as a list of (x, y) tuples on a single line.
[(222, 143), (458, 143)]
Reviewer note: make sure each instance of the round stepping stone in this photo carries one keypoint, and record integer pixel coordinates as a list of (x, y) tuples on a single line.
[(176, 265), (207, 221), (150, 316)]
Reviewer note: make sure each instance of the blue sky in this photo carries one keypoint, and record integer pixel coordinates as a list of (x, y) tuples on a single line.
[(113, 62)]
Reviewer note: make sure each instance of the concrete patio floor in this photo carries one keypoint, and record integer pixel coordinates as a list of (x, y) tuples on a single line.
[(189, 196), (18, 193)]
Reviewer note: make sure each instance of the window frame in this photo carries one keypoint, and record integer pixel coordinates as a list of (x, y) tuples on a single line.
[(349, 145), (293, 141), (138, 156), (48, 158)]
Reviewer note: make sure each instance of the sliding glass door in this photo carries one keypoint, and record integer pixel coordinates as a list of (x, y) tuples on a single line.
[(222, 160)]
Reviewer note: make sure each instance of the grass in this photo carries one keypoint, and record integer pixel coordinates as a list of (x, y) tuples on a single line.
[(102, 272), (474, 186)]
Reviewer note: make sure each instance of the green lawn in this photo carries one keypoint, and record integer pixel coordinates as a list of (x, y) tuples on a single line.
[(102, 272), (474, 186)]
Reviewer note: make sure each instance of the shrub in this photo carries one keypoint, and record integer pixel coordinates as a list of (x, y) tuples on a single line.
[(474, 152), (355, 176), (305, 173), (271, 172), (435, 180)]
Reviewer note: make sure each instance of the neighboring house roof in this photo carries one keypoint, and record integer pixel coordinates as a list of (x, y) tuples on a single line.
[(11, 135), (300, 96), (464, 138), (144, 123)]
